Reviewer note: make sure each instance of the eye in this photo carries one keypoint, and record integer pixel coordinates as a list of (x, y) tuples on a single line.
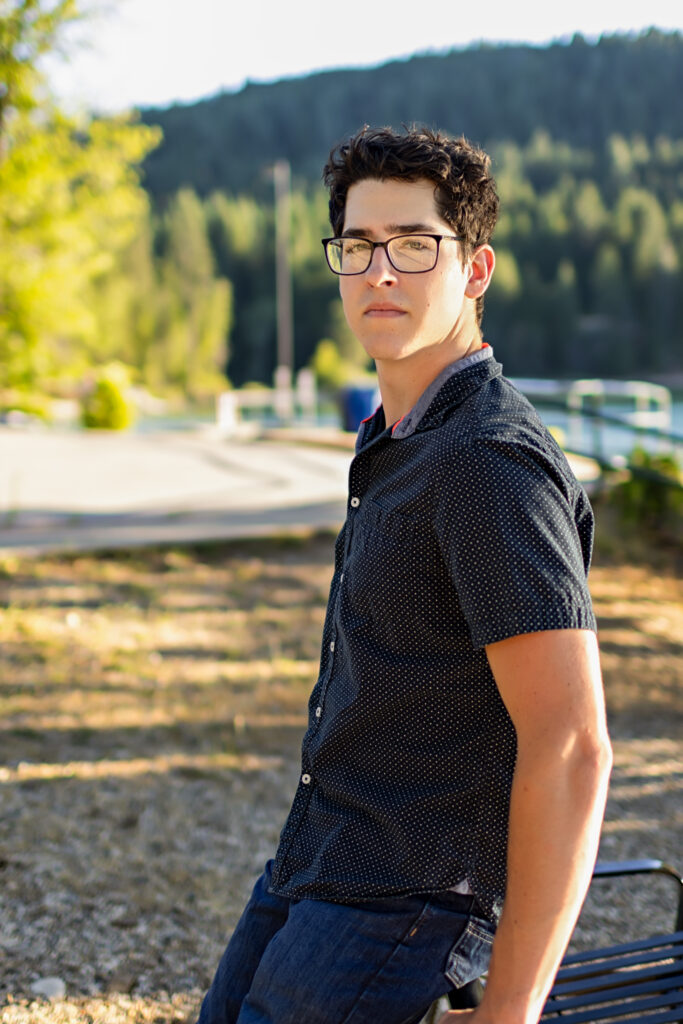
[(355, 247), (415, 243)]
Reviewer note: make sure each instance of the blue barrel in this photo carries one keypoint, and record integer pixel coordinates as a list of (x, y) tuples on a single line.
[(358, 401)]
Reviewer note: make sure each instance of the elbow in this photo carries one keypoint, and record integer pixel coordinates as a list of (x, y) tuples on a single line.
[(607, 756), (593, 758), (601, 752)]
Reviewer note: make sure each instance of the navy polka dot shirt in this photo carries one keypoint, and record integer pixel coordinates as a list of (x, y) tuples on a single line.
[(465, 526)]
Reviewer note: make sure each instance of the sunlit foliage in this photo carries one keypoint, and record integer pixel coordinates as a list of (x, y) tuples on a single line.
[(176, 280)]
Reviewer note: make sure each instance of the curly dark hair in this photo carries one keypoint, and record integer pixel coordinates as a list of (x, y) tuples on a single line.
[(465, 192)]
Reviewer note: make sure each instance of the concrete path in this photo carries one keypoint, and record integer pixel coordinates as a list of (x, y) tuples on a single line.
[(63, 490)]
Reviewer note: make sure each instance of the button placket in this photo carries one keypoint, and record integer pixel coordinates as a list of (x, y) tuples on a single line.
[(357, 473)]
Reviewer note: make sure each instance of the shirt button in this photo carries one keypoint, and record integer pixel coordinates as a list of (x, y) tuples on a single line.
[(341, 578), (331, 645), (306, 778), (355, 502), (318, 712)]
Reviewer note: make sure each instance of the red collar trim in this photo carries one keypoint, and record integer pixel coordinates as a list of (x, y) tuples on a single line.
[(368, 418)]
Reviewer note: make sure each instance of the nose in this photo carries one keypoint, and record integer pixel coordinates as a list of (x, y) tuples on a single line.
[(380, 270)]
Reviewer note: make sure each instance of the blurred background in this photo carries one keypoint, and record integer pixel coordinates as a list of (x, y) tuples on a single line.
[(142, 153), (178, 395)]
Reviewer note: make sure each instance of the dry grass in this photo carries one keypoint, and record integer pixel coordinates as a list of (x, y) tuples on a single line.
[(151, 708), (185, 641)]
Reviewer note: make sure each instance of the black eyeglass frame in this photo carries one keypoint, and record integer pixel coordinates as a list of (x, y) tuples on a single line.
[(384, 245)]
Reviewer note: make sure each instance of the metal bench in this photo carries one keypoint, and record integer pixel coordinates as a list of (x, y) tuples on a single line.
[(637, 982)]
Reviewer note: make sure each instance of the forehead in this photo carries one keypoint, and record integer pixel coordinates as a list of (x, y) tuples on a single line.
[(378, 207)]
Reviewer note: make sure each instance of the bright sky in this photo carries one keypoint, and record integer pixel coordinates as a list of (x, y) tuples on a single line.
[(152, 52)]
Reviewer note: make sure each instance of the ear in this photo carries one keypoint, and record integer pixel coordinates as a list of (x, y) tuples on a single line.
[(481, 271)]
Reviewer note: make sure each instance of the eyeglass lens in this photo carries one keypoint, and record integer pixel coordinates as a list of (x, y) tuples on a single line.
[(408, 253)]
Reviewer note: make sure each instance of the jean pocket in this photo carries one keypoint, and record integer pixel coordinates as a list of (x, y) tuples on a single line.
[(469, 957)]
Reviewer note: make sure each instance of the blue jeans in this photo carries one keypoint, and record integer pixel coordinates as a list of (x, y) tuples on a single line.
[(313, 962)]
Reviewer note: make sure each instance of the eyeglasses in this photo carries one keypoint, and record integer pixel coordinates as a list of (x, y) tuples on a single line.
[(409, 254)]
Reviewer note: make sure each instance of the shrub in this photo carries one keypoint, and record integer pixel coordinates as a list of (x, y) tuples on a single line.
[(652, 493), (106, 407)]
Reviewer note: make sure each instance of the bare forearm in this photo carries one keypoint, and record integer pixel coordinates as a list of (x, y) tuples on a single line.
[(555, 816), (551, 685)]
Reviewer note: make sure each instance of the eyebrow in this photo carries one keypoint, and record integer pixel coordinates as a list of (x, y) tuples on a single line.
[(391, 229)]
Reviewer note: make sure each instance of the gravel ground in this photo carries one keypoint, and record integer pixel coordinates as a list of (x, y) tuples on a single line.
[(149, 753)]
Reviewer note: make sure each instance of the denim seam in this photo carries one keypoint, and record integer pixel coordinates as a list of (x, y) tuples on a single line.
[(479, 931), (382, 966)]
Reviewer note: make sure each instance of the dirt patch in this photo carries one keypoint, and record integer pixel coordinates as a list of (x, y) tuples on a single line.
[(151, 712)]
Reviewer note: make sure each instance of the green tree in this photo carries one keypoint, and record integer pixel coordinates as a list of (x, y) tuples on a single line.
[(589, 215), (642, 224), (196, 343), (28, 30), (506, 283), (350, 349), (70, 202), (241, 233)]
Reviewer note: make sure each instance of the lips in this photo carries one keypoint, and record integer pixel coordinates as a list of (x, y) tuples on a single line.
[(386, 309)]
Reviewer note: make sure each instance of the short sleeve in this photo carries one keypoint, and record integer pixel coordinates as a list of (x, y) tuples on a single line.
[(515, 530)]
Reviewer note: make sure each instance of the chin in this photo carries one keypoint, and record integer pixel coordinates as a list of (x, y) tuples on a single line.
[(387, 346), (387, 353), (393, 350)]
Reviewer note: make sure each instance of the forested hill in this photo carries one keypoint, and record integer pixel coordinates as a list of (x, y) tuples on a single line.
[(580, 93), (587, 148)]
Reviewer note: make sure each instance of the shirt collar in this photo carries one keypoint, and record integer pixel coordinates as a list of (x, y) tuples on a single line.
[(407, 425)]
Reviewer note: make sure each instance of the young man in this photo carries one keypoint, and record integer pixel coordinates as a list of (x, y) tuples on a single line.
[(455, 766)]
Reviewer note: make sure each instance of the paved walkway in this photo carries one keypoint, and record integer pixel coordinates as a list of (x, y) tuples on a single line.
[(63, 490)]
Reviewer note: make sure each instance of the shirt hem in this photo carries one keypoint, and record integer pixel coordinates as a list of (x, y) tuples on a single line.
[(578, 618), (481, 902)]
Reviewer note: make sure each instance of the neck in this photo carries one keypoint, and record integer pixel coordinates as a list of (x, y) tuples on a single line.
[(401, 382)]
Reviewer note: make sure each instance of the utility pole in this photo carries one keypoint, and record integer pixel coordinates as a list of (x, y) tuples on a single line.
[(283, 289)]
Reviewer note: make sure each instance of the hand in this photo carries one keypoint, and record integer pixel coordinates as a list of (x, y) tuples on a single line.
[(478, 1015)]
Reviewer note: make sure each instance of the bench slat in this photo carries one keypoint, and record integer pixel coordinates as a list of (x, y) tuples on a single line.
[(595, 981), (636, 983), (656, 1017), (622, 1011), (625, 991), (654, 942)]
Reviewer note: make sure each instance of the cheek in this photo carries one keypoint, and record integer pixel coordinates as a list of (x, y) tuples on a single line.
[(448, 298), (347, 293)]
